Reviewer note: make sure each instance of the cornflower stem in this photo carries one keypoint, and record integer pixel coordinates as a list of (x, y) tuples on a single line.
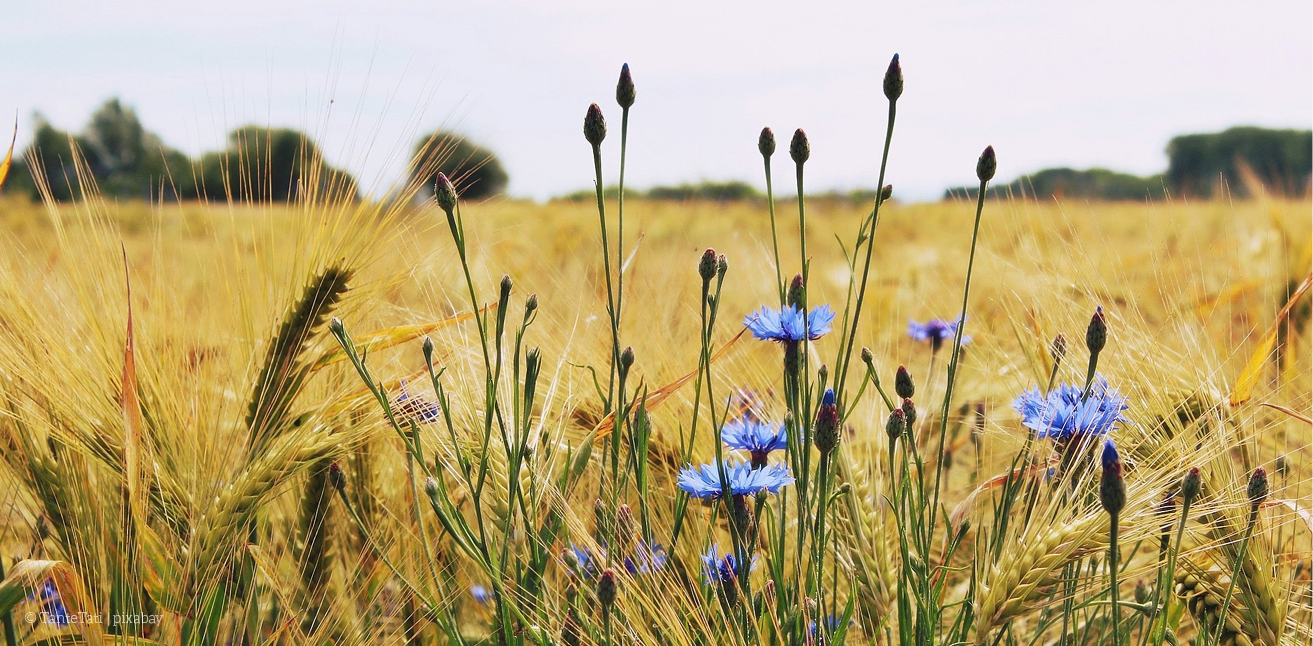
[(709, 309), (414, 495), (606, 271), (846, 349), (1089, 375), (1235, 574), (1170, 575), (774, 237), (1112, 576)]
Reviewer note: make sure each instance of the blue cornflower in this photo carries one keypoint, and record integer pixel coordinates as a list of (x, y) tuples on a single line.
[(936, 331), (786, 324), (703, 481), (754, 436), (832, 624), (721, 568), (481, 594), (417, 408), (52, 606), (647, 559), (580, 561), (1064, 412)]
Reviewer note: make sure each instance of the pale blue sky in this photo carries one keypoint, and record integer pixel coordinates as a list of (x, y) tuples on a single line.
[(1047, 83)]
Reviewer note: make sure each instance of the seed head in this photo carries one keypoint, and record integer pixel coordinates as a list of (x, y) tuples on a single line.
[(594, 126), (624, 90), (606, 588), (335, 476), (1096, 335), (827, 423), (903, 384), (1190, 485), (766, 143), (799, 149), (893, 80), (1258, 487), (707, 265), (893, 427), (445, 193), (987, 165)]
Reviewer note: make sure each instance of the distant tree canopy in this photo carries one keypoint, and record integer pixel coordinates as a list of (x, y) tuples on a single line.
[(278, 164), (1093, 184), (475, 170), (124, 160), (1280, 159), (732, 191)]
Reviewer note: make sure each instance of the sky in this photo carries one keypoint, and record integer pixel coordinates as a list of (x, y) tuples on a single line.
[(1046, 83)]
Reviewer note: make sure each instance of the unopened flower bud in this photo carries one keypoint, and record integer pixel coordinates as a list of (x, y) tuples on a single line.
[(909, 412), (799, 148), (336, 478), (335, 325), (428, 350), (1096, 335), (606, 588), (887, 192), (796, 292), (1112, 489), (987, 165), (722, 265), (1141, 592), (903, 384), (531, 304), (594, 125), (1258, 487), (893, 427), (1190, 485), (445, 193), (431, 487), (707, 265), (505, 287), (867, 357), (893, 80), (624, 89), (766, 143), (827, 423), (626, 361)]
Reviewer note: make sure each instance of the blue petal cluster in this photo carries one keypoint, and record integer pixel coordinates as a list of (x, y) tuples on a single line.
[(417, 408), (936, 331), (754, 436), (786, 324), (580, 561), (481, 594), (1063, 413), (646, 559), (52, 606), (721, 568), (703, 481)]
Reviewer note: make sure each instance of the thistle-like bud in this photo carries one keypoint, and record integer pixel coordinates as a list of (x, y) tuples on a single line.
[(530, 305), (909, 412), (826, 434), (903, 384), (428, 350), (766, 143), (796, 292), (624, 90), (1096, 335), (606, 588), (1141, 591), (336, 478), (571, 633), (431, 487), (707, 265), (594, 126), (505, 287), (867, 357), (626, 361), (987, 165), (894, 426), (722, 266), (1058, 350), (445, 193), (1190, 485), (792, 357), (626, 528), (742, 514), (887, 192), (823, 374), (799, 149), (1257, 487), (599, 519), (893, 80), (1112, 489), (335, 326)]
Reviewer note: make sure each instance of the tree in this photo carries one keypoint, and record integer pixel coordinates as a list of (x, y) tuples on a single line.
[(271, 164), (1279, 159), (476, 171)]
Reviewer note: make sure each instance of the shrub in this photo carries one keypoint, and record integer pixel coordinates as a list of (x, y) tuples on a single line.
[(476, 171)]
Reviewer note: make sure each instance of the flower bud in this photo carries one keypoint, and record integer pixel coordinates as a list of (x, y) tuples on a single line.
[(1141, 592), (707, 265), (505, 287), (336, 478), (1258, 487), (893, 80), (626, 529), (887, 192), (626, 361), (445, 193), (909, 412), (599, 519), (894, 426), (1112, 489), (335, 326), (1096, 335), (531, 304), (722, 265), (987, 165), (766, 143), (594, 126), (796, 292), (571, 632), (606, 588), (903, 384), (826, 434), (428, 350), (742, 514), (799, 149), (431, 487), (1058, 350), (624, 90), (1190, 485), (867, 357)]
